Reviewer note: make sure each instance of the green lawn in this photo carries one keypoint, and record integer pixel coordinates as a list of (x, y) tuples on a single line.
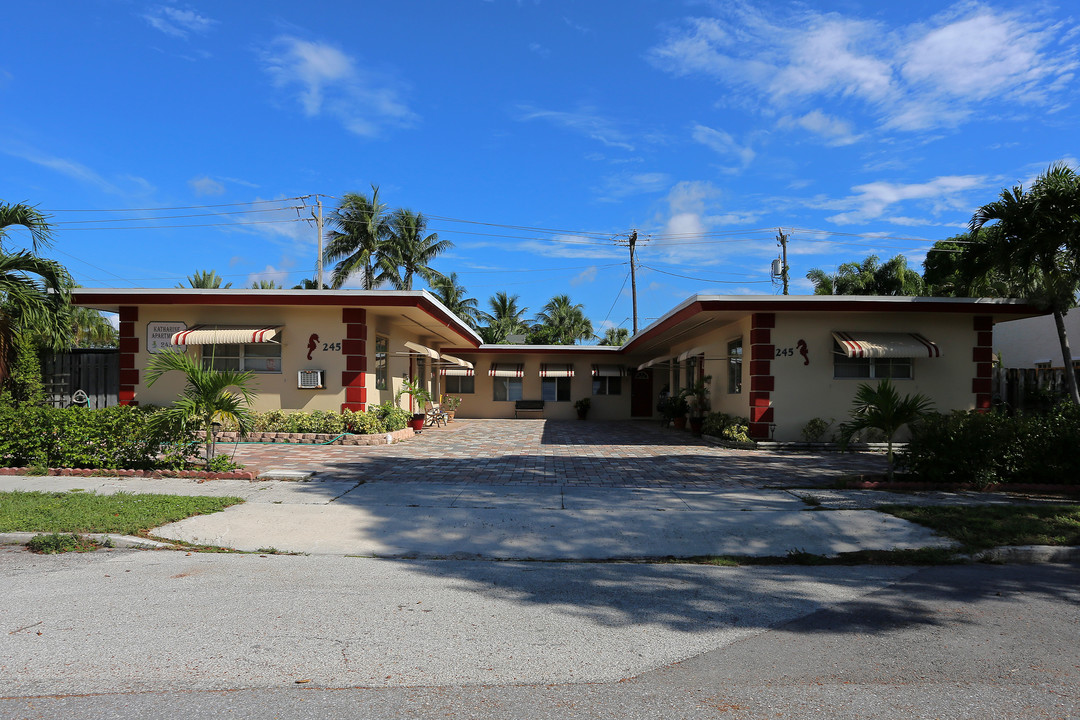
[(986, 526), (76, 512)]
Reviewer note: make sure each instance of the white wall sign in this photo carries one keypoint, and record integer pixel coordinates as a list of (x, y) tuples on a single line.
[(159, 334)]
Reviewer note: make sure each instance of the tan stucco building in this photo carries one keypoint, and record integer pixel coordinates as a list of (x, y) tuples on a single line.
[(777, 360)]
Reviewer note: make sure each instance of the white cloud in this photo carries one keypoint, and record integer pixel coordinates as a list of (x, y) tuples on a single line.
[(326, 80), (623, 185), (70, 168), (178, 22), (540, 50), (871, 200), (587, 275), (206, 185), (584, 122), (909, 78), (724, 144), (835, 131)]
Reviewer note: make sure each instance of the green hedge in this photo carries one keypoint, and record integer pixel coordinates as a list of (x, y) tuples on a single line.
[(377, 419), (727, 427), (987, 448), (111, 438)]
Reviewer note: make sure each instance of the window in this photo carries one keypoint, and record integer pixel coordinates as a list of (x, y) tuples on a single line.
[(506, 388), (382, 374), (734, 367), (676, 382), (421, 373), (555, 389), (459, 384), (870, 368), (607, 386), (252, 357)]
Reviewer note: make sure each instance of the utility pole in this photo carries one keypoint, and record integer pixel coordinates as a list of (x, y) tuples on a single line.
[(781, 240), (319, 224), (633, 276)]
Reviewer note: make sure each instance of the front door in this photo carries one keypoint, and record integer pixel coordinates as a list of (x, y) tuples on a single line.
[(641, 396)]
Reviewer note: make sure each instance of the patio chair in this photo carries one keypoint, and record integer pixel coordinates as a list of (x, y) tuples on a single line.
[(434, 415)]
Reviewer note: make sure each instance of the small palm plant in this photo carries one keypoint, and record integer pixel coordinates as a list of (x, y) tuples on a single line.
[(883, 409), (210, 396)]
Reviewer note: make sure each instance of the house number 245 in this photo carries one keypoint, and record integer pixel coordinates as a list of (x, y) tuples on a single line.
[(332, 346)]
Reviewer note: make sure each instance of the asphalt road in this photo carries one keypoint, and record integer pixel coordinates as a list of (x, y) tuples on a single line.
[(165, 634)]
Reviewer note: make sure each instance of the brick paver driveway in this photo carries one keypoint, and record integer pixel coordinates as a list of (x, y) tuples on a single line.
[(552, 452)]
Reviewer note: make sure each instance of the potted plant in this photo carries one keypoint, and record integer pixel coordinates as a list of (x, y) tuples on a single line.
[(450, 405), (582, 406), (421, 396), (697, 401)]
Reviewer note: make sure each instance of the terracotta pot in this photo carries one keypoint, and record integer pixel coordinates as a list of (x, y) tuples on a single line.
[(417, 422), (696, 424), (679, 422), (581, 414)]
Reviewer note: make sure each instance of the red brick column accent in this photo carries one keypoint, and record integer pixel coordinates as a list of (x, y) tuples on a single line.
[(762, 382), (982, 354), (354, 348), (129, 345)]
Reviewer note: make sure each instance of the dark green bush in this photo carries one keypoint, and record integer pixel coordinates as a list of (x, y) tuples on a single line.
[(377, 419), (987, 448), (111, 438), (727, 427)]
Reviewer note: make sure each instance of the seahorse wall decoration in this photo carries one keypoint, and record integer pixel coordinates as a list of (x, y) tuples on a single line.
[(804, 351)]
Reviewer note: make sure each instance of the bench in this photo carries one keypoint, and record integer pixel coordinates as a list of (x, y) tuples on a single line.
[(535, 407)]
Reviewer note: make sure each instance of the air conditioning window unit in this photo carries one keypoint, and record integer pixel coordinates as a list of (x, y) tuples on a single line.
[(310, 380)]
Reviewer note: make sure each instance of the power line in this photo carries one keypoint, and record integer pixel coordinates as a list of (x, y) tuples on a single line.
[(725, 282), (174, 217), (202, 225), (181, 207)]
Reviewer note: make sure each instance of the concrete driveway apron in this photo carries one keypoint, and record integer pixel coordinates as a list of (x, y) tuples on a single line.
[(545, 490)]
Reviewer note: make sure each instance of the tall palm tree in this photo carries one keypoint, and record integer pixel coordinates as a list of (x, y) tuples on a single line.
[(209, 395), (561, 322), (882, 408), (1036, 246), (615, 336), (358, 239), (410, 251), (265, 285), (505, 318), (307, 284), (29, 217), (206, 280), (452, 295)]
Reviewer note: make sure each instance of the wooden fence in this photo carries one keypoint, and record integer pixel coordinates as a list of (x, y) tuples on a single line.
[(94, 372), (1028, 388)]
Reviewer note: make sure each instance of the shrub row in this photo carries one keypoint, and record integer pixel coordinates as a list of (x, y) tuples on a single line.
[(115, 437), (378, 419), (726, 427), (988, 448)]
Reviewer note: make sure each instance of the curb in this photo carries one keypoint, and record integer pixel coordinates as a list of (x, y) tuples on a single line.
[(117, 541), (200, 475), (1029, 554)]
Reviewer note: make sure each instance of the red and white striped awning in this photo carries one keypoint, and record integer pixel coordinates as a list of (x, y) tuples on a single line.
[(556, 370), (200, 335), (608, 371), (455, 371), (419, 349), (885, 345), (457, 361), (507, 370)]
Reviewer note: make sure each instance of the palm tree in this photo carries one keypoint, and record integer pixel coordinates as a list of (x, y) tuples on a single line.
[(505, 318), (33, 290), (306, 284), (1036, 246), (869, 277), (452, 295), (357, 242), (561, 322), (615, 336), (882, 408), (410, 252), (205, 280), (265, 285), (210, 396)]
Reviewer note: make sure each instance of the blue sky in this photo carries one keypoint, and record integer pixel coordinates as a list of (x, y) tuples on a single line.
[(533, 134)]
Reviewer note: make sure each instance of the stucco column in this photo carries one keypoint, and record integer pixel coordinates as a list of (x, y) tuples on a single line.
[(982, 354), (129, 347), (762, 382), (354, 348)]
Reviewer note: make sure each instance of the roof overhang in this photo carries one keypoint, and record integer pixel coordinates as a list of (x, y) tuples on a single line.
[(423, 311)]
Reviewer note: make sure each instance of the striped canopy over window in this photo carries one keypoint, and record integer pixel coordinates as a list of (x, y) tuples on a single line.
[(456, 371), (885, 345), (608, 371), (513, 370), (556, 370), (200, 335)]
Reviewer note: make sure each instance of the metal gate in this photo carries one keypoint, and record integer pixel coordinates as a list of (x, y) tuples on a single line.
[(96, 373)]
